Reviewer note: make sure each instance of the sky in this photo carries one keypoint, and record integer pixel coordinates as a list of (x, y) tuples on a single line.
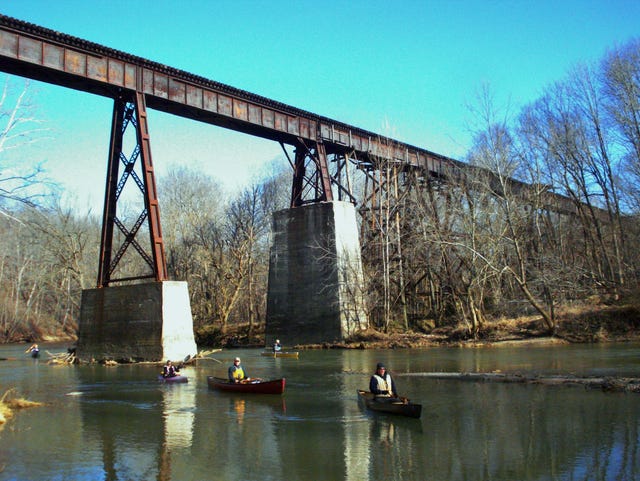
[(409, 70)]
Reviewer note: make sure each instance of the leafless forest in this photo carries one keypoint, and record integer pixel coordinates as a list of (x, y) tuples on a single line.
[(436, 252)]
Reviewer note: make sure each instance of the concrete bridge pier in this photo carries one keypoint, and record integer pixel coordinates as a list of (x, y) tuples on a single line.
[(139, 322), (315, 275)]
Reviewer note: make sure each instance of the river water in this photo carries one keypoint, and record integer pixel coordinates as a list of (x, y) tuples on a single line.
[(120, 423)]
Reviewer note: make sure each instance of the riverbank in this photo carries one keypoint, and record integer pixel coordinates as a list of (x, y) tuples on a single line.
[(583, 323), (577, 324)]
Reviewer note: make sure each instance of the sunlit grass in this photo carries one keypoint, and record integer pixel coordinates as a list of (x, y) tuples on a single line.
[(10, 403)]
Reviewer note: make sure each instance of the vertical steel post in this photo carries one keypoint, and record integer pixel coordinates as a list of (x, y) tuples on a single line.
[(150, 193), (130, 110), (109, 213), (323, 169), (298, 177), (316, 178)]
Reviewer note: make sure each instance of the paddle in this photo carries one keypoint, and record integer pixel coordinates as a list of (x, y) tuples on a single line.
[(186, 359)]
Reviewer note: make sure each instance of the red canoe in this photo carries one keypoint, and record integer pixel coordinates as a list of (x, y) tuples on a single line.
[(257, 386)]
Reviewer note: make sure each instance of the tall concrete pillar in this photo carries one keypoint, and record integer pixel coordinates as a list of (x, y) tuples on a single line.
[(315, 275), (139, 322)]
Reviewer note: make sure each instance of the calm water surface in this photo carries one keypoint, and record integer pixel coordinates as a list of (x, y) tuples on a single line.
[(119, 423)]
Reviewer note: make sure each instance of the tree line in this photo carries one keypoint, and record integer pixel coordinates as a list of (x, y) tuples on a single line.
[(478, 244), (454, 251)]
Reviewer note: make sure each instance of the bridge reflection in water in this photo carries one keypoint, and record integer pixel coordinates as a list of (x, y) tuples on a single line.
[(118, 423)]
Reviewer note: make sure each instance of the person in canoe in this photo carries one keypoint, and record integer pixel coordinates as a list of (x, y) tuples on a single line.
[(169, 370), (237, 372), (382, 385), (277, 347), (34, 350)]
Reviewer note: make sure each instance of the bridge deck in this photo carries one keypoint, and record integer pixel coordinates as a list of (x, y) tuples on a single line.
[(39, 53), (43, 54)]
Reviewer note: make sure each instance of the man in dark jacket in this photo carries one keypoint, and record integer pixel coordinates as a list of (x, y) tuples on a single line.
[(381, 383), (169, 370)]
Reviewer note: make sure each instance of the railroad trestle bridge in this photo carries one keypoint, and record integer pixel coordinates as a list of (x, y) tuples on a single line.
[(321, 196)]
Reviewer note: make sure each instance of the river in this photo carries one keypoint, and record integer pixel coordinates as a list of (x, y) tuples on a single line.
[(120, 423)]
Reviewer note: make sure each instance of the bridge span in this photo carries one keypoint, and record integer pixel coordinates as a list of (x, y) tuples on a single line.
[(42, 54), (295, 309)]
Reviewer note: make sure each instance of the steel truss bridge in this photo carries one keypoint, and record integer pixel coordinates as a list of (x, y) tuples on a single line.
[(324, 148)]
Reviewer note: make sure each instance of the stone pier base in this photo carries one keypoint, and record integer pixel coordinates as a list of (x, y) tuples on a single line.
[(315, 275), (140, 322)]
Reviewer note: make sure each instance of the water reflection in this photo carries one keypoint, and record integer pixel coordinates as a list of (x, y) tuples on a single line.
[(239, 407), (178, 403), (529, 432), (122, 420), (178, 407), (119, 423), (357, 442), (243, 435)]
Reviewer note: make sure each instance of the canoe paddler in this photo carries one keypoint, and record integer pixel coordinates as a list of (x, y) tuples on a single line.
[(236, 372), (381, 383), (34, 350)]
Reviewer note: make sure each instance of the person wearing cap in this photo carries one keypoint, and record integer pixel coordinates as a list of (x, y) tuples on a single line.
[(381, 383), (236, 372), (169, 370), (277, 347)]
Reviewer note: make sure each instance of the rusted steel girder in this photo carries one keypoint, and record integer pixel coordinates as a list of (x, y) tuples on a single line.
[(310, 184), (43, 54), (129, 111)]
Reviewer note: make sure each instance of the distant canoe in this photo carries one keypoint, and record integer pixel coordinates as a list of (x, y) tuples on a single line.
[(293, 354), (174, 379), (401, 407), (275, 386)]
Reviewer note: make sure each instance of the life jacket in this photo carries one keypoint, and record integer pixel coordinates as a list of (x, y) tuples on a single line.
[(384, 384), (238, 373)]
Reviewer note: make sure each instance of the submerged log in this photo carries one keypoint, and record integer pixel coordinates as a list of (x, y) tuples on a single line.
[(608, 383)]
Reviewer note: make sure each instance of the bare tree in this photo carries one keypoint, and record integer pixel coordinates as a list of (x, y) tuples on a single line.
[(621, 89), (620, 78), (509, 214), (193, 206), (19, 127)]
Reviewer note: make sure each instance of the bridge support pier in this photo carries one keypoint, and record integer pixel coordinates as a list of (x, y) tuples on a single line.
[(140, 322), (315, 275)]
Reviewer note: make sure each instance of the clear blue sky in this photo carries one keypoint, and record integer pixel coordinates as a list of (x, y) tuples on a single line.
[(406, 69)]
